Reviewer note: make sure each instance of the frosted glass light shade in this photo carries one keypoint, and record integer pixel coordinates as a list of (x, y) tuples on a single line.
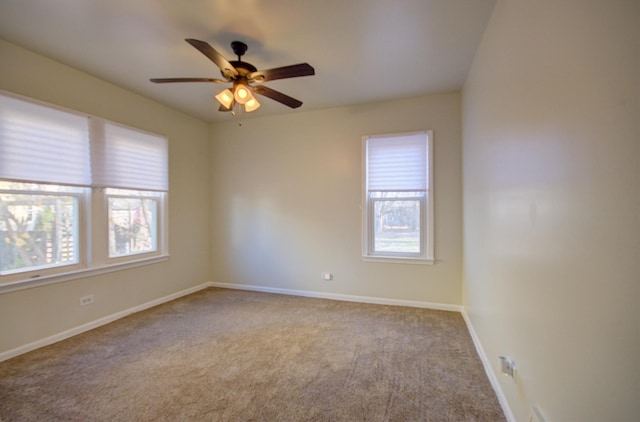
[(225, 98), (242, 93), (251, 105)]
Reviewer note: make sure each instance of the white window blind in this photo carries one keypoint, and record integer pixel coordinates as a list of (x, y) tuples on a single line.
[(42, 144), (397, 163), (129, 159)]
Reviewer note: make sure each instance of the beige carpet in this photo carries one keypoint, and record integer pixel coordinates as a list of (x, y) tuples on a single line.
[(226, 355)]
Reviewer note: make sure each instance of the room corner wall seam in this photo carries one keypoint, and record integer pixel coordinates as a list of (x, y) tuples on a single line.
[(493, 379)]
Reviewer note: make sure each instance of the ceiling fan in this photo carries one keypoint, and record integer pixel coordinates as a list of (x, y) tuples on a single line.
[(243, 75)]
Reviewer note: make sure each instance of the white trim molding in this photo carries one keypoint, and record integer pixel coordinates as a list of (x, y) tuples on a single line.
[(493, 379), (97, 323), (304, 293), (113, 317), (342, 297)]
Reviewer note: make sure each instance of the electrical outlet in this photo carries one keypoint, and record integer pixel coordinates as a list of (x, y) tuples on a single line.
[(86, 300), (536, 415), (327, 276), (508, 367)]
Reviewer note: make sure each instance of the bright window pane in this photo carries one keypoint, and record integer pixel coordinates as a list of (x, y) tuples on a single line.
[(396, 226), (37, 230), (132, 225)]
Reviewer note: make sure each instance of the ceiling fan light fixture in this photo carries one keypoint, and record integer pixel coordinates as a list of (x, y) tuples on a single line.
[(225, 98), (251, 105), (241, 75), (242, 93)]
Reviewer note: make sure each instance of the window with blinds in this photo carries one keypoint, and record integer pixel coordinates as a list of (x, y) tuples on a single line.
[(398, 216), (56, 166)]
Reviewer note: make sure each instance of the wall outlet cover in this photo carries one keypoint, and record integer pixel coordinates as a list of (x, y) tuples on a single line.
[(536, 415), (508, 367)]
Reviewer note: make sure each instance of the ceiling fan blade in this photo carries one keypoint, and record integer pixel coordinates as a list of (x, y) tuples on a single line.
[(170, 80), (227, 69), (278, 96), (293, 71)]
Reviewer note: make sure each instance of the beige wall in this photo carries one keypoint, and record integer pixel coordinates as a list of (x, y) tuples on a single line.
[(551, 202), (287, 193), (33, 314)]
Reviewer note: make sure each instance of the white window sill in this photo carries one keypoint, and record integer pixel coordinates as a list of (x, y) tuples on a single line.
[(83, 273), (398, 260)]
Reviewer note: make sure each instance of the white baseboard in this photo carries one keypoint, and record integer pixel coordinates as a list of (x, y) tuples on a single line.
[(338, 296), (493, 379), (97, 323)]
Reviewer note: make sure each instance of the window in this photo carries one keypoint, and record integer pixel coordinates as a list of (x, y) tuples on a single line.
[(398, 197), (39, 226), (133, 222), (77, 193)]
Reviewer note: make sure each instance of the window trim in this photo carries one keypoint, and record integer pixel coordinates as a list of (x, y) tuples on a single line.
[(427, 220), (16, 285)]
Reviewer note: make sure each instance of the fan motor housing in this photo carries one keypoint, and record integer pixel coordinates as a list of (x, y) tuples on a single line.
[(243, 68)]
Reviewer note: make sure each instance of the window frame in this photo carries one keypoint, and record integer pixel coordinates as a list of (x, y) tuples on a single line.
[(93, 226), (426, 256)]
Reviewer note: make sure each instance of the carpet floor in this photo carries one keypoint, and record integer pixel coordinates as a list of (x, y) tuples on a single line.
[(230, 355)]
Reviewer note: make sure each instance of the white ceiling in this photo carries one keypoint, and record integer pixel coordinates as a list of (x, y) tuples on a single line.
[(362, 50)]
